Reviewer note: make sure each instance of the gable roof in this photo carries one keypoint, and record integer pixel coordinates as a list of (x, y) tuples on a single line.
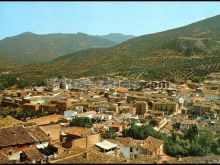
[(19, 135), (129, 142), (151, 143), (38, 134), (14, 136), (33, 154), (77, 131), (9, 121), (46, 119)]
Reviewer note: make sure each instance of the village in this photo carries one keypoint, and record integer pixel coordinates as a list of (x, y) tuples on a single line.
[(113, 120)]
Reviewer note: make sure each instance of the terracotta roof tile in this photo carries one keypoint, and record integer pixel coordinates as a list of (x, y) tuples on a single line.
[(33, 154), (151, 143), (14, 136), (77, 131), (20, 135)]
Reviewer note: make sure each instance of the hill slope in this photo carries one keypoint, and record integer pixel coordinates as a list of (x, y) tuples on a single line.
[(29, 48), (177, 54)]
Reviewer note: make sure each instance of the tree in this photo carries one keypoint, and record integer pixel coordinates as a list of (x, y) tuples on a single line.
[(201, 145), (111, 134), (142, 132), (206, 141), (81, 122), (218, 151), (173, 137), (39, 83), (191, 133), (11, 81), (196, 149)]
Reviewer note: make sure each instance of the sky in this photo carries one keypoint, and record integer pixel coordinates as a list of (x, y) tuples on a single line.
[(100, 18)]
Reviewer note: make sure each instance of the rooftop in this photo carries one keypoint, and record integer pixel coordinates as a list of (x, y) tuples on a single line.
[(151, 143), (19, 135), (46, 119), (77, 131), (106, 145)]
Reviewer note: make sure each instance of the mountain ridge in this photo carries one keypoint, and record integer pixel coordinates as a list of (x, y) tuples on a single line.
[(28, 47), (177, 54)]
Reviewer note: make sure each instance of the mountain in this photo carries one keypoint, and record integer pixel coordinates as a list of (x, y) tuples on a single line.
[(177, 54), (117, 37), (28, 48)]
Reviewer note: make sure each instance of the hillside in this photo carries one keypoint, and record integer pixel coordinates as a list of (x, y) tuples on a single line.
[(28, 48), (7, 62), (117, 37), (177, 54)]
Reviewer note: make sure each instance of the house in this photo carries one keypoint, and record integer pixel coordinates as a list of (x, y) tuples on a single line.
[(46, 120), (63, 105), (129, 147), (152, 146), (126, 108), (160, 122), (31, 107), (167, 129), (116, 126), (11, 102), (42, 139), (141, 107), (106, 146), (50, 125), (9, 121), (70, 134), (34, 100), (13, 140), (185, 124), (89, 114), (66, 85), (50, 108), (202, 110), (102, 117), (4, 159), (79, 137), (166, 106), (22, 93), (69, 114), (31, 155)]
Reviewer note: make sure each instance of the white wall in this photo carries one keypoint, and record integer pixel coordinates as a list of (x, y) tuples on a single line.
[(42, 144), (15, 156), (126, 151)]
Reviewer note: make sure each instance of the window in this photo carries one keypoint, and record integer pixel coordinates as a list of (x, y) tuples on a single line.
[(10, 153), (131, 149)]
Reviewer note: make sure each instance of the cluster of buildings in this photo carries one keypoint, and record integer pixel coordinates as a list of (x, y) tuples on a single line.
[(113, 103)]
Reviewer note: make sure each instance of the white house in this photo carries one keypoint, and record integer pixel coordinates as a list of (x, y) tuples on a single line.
[(129, 147), (69, 114), (102, 117)]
